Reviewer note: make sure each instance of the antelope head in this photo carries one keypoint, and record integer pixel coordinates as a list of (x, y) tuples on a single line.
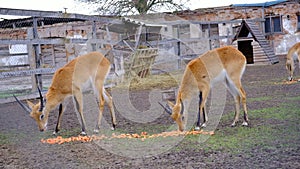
[(35, 111), (176, 112)]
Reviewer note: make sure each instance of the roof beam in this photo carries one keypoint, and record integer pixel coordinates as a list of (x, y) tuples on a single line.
[(56, 14)]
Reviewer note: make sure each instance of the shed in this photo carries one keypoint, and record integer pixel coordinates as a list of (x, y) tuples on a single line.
[(252, 43)]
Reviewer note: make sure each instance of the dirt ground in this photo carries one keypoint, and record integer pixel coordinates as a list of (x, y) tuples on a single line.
[(21, 146)]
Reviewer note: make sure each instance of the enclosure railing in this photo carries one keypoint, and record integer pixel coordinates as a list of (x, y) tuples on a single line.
[(32, 48)]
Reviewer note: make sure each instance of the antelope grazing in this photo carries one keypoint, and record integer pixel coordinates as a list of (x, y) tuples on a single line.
[(223, 64), (291, 57), (69, 81)]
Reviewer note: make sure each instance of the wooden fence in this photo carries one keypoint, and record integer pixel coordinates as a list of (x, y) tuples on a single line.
[(33, 48)]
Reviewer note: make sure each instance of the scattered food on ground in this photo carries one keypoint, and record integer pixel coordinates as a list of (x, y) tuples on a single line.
[(142, 136)]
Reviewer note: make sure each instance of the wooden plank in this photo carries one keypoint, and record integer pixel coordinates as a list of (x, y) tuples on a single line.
[(27, 72), (14, 66), (54, 41)]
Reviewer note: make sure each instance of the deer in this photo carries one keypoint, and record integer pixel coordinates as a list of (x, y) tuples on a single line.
[(70, 80), (226, 64), (291, 57)]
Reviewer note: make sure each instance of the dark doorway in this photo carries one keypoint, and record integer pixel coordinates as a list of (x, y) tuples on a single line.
[(246, 48)]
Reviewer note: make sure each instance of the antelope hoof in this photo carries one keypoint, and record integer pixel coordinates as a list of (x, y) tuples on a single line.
[(233, 124), (245, 123), (113, 127), (197, 128), (83, 133), (54, 133), (96, 130), (203, 125)]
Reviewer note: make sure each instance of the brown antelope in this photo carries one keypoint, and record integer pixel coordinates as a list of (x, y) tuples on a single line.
[(69, 81), (291, 57), (223, 64)]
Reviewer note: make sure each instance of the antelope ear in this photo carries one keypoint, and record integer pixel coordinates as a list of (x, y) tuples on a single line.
[(171, 104), (30, 104)]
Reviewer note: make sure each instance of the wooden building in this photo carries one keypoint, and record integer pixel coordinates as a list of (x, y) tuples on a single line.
[(251, 42), (278, 20)]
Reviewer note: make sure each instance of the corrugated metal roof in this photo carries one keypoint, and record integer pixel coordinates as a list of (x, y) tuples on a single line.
[(143, 22), (265, 4), (28, 22)]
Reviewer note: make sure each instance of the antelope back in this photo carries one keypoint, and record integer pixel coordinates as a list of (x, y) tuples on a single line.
[(202, 72)]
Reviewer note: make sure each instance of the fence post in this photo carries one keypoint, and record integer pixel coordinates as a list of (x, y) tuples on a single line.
[(34, 56), (31, 58), (94, 36), (37, 52)]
